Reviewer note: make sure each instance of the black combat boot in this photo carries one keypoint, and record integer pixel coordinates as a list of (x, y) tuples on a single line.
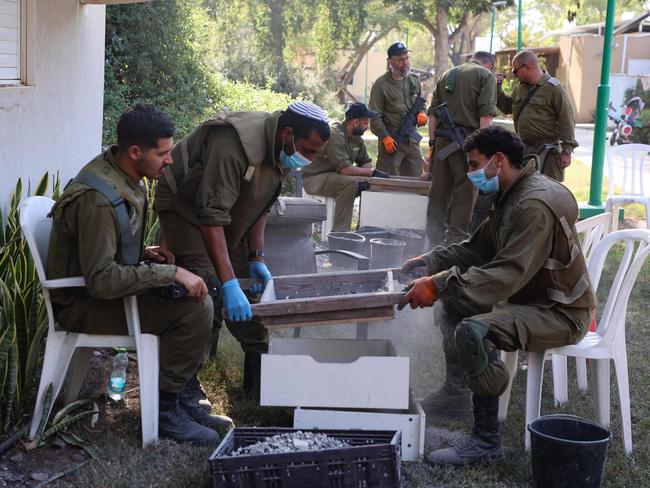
[(453, 401), (193, 400), (484, 443), (175, 423)]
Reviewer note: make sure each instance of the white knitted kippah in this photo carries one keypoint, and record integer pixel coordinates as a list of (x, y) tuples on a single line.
[(309, 110)]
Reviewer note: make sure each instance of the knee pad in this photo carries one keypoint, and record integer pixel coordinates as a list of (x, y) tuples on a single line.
[(472, 355)]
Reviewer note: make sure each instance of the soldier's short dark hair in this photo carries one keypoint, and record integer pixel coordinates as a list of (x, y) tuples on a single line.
[(303, 126), (495, 139), (483, 57), (142, 125)]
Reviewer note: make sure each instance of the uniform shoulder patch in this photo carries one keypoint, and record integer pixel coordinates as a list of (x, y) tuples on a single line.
[(554, 81)]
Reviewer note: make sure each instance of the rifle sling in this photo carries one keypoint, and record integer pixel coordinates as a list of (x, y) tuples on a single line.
[(530, 94)]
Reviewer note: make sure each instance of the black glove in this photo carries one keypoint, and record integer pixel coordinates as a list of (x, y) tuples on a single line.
[(376, 173), (362, 186)]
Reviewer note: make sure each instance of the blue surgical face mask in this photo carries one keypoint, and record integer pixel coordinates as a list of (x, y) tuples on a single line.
[(294, 161), (482, 182)]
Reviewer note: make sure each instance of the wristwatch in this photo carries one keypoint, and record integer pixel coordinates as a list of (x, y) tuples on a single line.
[(255, 254), (432, 142)]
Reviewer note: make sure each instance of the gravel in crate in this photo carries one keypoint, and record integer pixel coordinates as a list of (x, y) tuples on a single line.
[(291, 442)]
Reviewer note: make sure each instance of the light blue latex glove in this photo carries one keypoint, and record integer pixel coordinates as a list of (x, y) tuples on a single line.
[(237, 307), (259, 272)]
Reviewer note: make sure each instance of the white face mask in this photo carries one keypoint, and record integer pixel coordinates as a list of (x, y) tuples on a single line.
[(295, 160)]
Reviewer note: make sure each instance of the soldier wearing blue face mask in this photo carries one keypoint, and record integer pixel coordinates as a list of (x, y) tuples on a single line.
[(212, 203), (519, 282)]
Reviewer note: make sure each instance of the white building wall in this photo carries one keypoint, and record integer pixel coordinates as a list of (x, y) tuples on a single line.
[(55, 123)]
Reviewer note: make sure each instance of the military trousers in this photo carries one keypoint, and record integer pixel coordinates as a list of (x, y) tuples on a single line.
[(551, 166), (512, 327), (342, 188), (183, 325), (406, 161), (186, 242), (451, 198)]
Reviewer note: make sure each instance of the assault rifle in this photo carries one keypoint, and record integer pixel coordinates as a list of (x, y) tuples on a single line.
[(455, 134), (407, 129)]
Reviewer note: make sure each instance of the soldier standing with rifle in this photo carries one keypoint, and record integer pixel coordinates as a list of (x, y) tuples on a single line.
[(468, 93), (542, 114), (395, 96)]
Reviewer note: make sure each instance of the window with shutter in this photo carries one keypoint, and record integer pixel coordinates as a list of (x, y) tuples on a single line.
[(10, 41)]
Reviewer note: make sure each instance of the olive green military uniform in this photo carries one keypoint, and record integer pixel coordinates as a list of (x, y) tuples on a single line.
[(522, 274), (470, 93), (322, 176), (231, 180), (85, 241), (392, 100), (546, 119)]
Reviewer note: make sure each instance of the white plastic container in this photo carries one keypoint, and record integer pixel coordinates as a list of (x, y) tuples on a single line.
[(334, 373)]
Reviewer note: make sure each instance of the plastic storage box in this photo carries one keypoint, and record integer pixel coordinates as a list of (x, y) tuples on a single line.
[(372, 460), (334, 373)]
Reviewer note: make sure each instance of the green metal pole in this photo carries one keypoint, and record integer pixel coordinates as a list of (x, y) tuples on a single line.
[(600, 134), (494, 14), (519, 10), (365, 82)]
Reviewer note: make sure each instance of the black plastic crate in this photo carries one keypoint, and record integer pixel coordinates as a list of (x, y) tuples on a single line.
[(371, 461)]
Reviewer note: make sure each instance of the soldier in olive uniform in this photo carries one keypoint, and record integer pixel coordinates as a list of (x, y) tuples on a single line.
[(392, 96), (470, 93), (213, 200), (542, 114), (101, 240), (519, 282), (331, 172)]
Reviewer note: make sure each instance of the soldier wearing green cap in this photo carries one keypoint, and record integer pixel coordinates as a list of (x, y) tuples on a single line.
[(332, 171), (392, 96), (212, 203)]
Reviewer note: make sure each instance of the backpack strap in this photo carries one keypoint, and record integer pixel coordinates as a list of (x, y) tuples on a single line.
[(129, 247)]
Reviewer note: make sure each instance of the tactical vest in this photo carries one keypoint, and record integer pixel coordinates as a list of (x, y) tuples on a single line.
[(563, 278), (261, 184)]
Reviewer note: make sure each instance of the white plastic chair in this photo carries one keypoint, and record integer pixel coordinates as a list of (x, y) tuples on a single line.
[(608, 342), (629, 170), (590, 231), (60, 345)]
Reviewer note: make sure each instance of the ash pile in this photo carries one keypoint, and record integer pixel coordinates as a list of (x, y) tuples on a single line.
[(291, 442)]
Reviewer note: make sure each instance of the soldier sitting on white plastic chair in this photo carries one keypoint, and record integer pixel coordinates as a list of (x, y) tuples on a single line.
[(97, 231), (519, 282)]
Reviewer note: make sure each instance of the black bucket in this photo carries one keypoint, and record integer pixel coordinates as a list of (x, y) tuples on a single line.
[(568, 451), (386, 253), (348, 241)]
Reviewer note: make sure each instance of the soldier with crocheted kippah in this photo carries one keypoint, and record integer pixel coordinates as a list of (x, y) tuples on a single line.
[(212, 202)]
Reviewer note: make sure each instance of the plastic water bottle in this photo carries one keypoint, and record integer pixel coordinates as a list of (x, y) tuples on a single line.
[(118, 377)]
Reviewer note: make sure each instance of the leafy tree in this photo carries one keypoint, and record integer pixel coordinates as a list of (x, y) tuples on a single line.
[(446, 21)]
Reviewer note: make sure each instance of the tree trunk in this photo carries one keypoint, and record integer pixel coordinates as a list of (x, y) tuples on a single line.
[(441, 40), (347, 73)]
